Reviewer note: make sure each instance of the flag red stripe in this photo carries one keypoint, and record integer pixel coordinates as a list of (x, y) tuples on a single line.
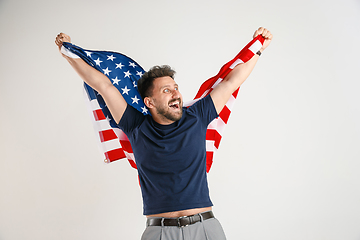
[(213, 135), (217, 139), (99, 115), (126, 145), (236, 93), (225, 114), (132, 163), (209, 160), (115, 154), (107, 135)]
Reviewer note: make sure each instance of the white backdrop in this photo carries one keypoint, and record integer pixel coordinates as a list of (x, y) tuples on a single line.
[(288, 166)]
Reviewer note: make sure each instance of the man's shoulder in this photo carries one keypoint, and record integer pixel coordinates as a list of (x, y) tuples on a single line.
[(204, 108), (203, 103), (131, 117)]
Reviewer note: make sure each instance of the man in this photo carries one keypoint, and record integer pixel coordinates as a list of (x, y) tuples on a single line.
[(169, 145)]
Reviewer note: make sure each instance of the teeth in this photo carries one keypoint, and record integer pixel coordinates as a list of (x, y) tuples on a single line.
[(173, 104)]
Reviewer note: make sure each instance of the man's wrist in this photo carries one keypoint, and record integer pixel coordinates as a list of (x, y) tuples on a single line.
[(260, 51)]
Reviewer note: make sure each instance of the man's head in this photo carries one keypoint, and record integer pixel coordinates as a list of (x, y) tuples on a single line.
[(161, 94), (145, 83)]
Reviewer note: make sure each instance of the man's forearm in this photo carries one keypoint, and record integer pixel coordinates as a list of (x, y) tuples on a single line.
[(90, 75), (95, 79), (240, 73)]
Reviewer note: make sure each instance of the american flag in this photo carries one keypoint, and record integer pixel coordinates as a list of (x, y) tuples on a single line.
[(124, 73)]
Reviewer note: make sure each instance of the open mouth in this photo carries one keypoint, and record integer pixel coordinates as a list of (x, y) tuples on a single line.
[(175, 104)]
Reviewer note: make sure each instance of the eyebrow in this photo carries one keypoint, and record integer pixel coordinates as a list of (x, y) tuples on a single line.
[(167, 85)]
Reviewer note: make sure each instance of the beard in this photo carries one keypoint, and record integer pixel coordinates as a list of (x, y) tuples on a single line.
[(164, 111)]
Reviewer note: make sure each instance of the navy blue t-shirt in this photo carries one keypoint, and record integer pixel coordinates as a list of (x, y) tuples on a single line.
[(171, 159)]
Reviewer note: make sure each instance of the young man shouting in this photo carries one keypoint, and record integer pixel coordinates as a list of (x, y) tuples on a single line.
[(169, 145)]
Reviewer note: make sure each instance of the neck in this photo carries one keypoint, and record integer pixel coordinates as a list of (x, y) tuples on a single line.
[(161, 119)]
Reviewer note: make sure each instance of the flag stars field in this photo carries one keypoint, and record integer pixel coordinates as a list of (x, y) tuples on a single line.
[(98, 61), (125, 90), (122, 71), (144, 110), (116, 80), (118, 65), (107, 71), (127, 74), (135, 100), (139, 73), (111, 57), (88, 53)]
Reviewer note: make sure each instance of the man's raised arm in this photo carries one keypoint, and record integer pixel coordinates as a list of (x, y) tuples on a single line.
[(222, 92), (97, 80)]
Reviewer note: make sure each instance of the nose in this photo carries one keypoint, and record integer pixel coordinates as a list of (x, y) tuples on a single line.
[(176, 94)]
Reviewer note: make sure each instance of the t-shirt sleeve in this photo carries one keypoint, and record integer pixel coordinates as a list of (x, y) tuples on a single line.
[(205, 109), (130, 119)]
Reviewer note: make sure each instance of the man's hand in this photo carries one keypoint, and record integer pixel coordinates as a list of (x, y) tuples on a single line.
[(266, 34), (60, 38)]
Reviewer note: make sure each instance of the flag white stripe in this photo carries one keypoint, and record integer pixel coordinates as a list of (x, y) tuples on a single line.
[(102, 125), (110, 145), (231, 102), (217, 82), (210, 145), (238, 61), (120, 134), (94, 105), (220, 126), (189, 103), (129, 156), (213, 124), (68, 53), (256, 46), (205, 93)]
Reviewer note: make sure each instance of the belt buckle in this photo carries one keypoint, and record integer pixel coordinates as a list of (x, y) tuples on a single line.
[(179, 222)]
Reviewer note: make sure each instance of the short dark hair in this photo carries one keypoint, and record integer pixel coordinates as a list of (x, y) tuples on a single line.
[(145, 83)]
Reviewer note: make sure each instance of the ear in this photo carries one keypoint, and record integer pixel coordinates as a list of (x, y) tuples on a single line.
[(148, 102)]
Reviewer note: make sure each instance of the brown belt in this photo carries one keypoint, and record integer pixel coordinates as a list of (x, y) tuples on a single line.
[(181, 221)]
